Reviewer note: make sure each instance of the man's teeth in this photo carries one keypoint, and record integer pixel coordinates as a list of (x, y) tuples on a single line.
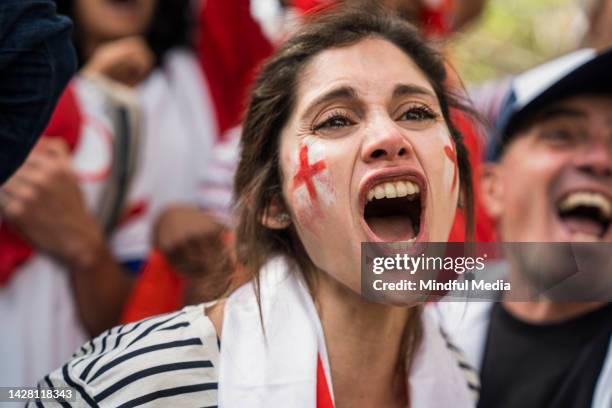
[(583, 237), (403, 245), (393, 190), (586, 199)]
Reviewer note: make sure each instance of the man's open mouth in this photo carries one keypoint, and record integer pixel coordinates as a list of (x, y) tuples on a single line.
[(393, 210), (586, 215)]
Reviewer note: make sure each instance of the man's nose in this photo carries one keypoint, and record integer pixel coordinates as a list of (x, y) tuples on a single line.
[(596, 159)]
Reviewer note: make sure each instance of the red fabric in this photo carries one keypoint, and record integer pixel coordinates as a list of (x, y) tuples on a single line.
[(324, 399), (158, 290), (230, 47), (133, 212), (65, 124), (306, 6), (437, 21), (434, 21), (67, 119), (484, 229)]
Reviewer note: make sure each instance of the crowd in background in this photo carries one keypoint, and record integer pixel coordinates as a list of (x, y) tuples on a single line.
[(123, 210)]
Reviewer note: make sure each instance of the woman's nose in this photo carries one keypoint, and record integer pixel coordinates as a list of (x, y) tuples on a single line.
[(385, 142)]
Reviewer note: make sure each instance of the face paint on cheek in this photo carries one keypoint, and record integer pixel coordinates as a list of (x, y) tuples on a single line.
[(311, 187), (451, 154)]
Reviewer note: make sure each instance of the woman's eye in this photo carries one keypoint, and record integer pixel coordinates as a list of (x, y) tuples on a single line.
[(419, 114), (335, 122)]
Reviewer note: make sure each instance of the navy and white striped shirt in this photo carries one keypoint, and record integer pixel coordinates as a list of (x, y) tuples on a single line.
[(165, 361)]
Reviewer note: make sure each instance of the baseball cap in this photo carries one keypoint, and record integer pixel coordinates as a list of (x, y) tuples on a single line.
[(585, 71)]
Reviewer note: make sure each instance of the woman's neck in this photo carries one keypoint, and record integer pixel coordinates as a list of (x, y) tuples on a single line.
[(364, 345)]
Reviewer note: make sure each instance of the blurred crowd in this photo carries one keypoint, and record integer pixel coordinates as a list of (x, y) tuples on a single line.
[(123, 208)]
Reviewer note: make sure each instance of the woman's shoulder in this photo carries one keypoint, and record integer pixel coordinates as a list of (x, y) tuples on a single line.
[(173, 356)]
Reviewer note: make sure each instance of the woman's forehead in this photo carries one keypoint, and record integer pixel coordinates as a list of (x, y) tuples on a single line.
[(372, 67)]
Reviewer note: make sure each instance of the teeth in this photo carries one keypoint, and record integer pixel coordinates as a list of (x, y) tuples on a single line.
[(596, 200), (402, 190), (394, 190), (402, 246), (582, 237), (411, 188), (390, 190)]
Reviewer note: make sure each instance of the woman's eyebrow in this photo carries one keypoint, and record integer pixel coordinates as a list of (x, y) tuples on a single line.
[(411, 89), (343, 92)]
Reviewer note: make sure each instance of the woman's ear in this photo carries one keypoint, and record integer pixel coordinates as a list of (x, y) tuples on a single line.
[(492, 189), (276, 216)]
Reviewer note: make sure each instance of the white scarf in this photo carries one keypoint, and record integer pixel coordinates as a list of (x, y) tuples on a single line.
[(280, 368)]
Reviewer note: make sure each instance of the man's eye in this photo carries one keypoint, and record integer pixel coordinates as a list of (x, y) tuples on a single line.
[(560, 136), (419, 114), (335, 122)]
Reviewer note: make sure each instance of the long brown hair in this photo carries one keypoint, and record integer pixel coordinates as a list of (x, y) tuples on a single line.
[(258, 181)]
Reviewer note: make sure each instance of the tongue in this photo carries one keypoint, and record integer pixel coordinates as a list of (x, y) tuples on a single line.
[(392, 228), (583, 225)]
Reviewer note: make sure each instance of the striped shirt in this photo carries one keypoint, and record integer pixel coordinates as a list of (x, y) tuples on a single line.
[(170, 360), (165, 361)]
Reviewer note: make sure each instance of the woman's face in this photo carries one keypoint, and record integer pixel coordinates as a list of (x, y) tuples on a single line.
[(366, 157), (114, 19)]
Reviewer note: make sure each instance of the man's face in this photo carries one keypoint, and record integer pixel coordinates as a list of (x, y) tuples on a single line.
[(554, 181)]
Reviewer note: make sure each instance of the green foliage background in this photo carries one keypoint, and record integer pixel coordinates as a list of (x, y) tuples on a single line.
[(513, 35)]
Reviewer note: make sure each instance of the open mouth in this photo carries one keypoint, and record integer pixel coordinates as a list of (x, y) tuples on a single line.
[(586, 215), (393, 210)]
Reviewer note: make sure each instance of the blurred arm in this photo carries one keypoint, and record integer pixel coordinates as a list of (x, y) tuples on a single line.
[(43, 201)]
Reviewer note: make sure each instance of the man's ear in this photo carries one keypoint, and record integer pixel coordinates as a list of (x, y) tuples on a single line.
[(276, 216), (492, 189)]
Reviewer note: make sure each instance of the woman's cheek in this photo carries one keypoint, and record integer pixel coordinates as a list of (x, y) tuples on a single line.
[(443, 175), (311, 189), (449, 155)]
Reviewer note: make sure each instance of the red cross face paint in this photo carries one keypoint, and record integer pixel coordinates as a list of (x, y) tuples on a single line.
[(312, 189), (363, 157), (311, 180)]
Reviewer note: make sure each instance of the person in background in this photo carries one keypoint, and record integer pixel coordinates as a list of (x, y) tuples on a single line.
[(551, 182), (36, 62), (188, 262), (70, 276), (488, 98), (599, 15)]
